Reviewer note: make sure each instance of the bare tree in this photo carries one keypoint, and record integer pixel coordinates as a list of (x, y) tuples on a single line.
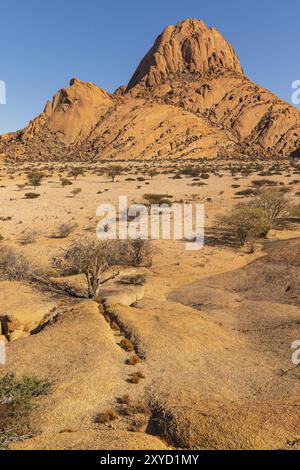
[(13, 266), (91, 257)]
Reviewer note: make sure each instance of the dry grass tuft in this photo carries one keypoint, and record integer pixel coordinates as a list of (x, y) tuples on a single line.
[(127, 345), (136, 377), (105, 417), (132, 361), (114, 326), (124, 400)]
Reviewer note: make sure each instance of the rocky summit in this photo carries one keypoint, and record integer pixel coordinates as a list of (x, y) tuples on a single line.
[(188, 47), (188, 98)]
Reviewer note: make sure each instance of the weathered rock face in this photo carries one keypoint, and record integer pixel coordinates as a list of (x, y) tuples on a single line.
[(187, 47), (10, 327), (260, 122), (195, 68), (72, 113), (188, 98)]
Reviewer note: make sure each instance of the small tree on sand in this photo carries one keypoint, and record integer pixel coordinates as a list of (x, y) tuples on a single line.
[(114, 171), (76, 191), (152, 173), (75, 172), (245, 223), (91, 257), (275, 205), (35, 179)]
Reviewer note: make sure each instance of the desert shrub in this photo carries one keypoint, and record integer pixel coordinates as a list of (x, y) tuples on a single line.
[(132, 361), (13, 266), (16, 399), (140, 252), (76, 191), (126, 345), (246, 192), (191, 172), (245, 222), (275, 205), (136, 253), (28, 237), (157, 198), (114, 326), (135, 377), (152, 173), (176, 177), (64, 230), (65, 182), (32, 195), (264, 182), (124, 400), (105, 417), (138, 407), (131, 407), (35, 178), (75, 172), (113, 171)]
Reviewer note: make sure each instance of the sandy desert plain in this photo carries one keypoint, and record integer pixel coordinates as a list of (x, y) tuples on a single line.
[(191, 352)]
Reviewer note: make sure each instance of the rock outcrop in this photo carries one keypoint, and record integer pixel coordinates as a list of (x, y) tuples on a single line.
[(187, 47), (72, 113), (188, 98)]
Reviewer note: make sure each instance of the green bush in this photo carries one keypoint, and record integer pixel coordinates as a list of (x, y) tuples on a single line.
[(245, 223), (16, 398), (274, 204)]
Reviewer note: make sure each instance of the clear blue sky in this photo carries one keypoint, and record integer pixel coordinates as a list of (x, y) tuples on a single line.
[(45, 43)]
